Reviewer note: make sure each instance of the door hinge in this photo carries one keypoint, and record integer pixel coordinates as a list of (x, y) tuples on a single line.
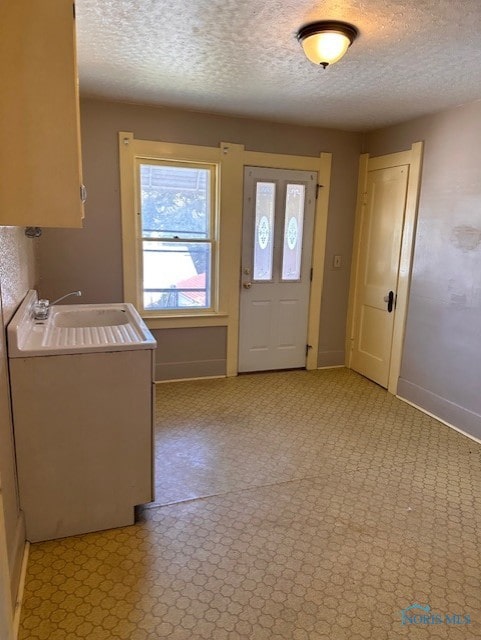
[(73, 10), (308, 346), (311, 274), (318, 186), (364, 198)]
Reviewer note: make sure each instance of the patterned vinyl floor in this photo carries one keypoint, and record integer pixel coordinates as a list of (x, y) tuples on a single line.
[(298, 505)]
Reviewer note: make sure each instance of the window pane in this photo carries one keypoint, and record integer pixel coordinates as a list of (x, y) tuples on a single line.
[(176, 275), (293, 224), (264, 230), (175, 201)]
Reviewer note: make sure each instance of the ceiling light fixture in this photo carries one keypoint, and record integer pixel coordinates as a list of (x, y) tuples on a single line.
[(326, 41)]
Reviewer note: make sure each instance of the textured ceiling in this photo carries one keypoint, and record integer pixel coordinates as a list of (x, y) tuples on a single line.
[(240, 57)]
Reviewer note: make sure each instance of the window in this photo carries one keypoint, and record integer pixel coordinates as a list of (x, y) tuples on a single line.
[(176, 235)]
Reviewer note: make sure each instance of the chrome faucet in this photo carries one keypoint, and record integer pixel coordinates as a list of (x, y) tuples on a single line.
[(72, 293), (42, 307)]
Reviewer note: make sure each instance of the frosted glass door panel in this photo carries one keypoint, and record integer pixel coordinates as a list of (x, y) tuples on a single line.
[(293, 228), (264, 230)]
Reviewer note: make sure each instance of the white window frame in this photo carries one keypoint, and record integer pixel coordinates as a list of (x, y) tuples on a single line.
[(213, 169), (132, 153)]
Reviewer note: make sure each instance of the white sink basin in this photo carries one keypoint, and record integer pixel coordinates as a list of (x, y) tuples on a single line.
[(76, 328), (87, 316)]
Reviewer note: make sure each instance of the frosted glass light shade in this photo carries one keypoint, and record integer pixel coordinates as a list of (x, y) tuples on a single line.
[(326, 42), (325, 48)]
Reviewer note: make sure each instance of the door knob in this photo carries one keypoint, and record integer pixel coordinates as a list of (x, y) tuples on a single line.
[(247, 285), (390, 301)]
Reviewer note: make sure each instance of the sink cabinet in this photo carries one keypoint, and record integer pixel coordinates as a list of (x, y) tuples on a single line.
[(83, 438), (41, 178)]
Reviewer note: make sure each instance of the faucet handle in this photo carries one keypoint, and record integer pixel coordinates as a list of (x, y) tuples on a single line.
[(41, 309)]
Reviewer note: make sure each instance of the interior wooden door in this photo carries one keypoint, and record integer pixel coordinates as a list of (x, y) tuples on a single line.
[(378, 270)]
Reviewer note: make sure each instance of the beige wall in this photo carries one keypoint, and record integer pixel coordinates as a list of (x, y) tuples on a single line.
[(16, 277), (90, 259), (441, 366)]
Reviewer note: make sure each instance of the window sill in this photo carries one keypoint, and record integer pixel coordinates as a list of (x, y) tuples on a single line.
[(186, 321)]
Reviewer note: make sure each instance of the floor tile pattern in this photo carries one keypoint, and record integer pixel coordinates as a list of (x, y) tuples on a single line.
[(300, 506)]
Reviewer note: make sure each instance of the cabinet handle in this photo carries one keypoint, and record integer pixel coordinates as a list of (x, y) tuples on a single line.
[(83, 193)]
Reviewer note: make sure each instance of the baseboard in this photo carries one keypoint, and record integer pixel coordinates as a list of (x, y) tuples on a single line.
[(16, 561), (467, 422), (190, 379), (21, 587), (332, 366)]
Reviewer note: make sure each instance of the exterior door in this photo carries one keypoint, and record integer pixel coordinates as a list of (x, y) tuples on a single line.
[(381, 230), (278, 228)]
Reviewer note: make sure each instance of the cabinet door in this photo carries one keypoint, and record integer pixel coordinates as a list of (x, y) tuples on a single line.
[(40, 176)]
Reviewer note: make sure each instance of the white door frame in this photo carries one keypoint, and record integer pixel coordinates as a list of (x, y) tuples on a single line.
[(322, 166), (413, 158)]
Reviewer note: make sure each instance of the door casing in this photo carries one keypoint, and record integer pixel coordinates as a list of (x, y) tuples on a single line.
[(321, 165), (413, 158)]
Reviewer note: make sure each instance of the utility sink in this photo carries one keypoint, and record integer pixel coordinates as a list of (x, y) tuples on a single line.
[(87, 316), (76, 328), (82, 401)]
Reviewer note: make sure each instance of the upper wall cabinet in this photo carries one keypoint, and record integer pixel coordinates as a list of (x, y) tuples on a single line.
[(40, 163)]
